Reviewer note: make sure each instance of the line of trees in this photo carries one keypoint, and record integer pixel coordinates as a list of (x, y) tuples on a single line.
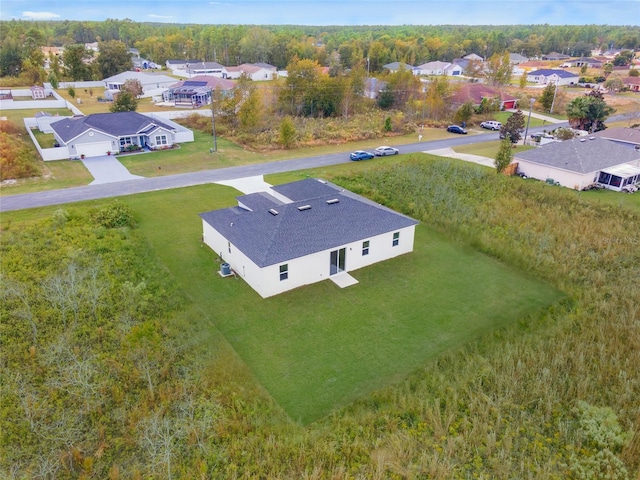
[(338, 47)]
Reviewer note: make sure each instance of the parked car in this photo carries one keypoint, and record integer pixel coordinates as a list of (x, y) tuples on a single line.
[(361, 155), (456, 129), (382, 151), (491, 125)]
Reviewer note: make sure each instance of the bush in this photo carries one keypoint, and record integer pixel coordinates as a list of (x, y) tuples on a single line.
[(17, 158), (113, 216)]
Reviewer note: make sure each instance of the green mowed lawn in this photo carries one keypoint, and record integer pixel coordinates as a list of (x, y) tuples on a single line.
[(319, 347)]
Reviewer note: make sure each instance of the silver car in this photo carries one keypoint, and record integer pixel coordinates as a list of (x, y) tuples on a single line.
[(383, 151)]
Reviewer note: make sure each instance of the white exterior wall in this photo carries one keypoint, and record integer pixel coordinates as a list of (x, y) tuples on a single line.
[(87, 138), (305, 270), (564, 177)]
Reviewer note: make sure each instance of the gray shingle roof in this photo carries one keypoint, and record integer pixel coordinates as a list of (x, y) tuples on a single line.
[(269, 239), (584, 155), (259, 201), (550, 71), (116, 124)]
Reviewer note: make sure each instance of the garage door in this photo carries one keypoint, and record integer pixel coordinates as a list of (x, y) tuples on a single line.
[(97, 149)]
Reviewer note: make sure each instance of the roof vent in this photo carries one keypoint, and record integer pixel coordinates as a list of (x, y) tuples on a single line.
[(332, 201), (273, 211), (304, 207), (592, 138), (583, 139)]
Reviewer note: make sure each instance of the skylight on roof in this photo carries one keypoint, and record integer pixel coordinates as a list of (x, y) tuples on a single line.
[(273, 211), (304, 207), (332, 201)]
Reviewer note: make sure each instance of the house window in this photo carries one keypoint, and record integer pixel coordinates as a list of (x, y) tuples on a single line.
[(161, 140), (284, 271), (124, 141), (396, 239), (365, 248)]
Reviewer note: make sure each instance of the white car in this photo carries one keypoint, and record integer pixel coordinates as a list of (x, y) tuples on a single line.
[(491, 125), (382, 151)]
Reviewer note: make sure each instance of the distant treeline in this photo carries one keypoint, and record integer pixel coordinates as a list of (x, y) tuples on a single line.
[(278, 44)]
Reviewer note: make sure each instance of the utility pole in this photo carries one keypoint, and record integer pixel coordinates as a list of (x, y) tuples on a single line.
[(213, 123), (526, 132), (555, 92)]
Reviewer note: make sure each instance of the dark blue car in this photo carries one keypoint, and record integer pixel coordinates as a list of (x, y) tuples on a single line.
[(456, 129), (361, 155)]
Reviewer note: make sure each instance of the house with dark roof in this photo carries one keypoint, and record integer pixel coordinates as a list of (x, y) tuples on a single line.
[(196, 91), (477, 92), (551, 75), (555, 56), (580, 162), (590, 62), (95, 135), (304, 232)]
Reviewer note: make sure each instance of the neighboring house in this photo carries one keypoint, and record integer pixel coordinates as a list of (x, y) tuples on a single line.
[(180, 64), (302, 233), (555, 56), (454, 69), (213, 69), (92, 46), (152, 84), (95, 135), (558, 77), (196, 91), (252, 71), (590, 62), (632, 83), (473, 56), (432, 68), (476, 92), (580, 162), (373, 87), (629, 137), (517, 59), (396, 66)]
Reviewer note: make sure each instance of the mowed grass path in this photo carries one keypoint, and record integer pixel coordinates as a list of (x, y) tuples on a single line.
[(320, 347)]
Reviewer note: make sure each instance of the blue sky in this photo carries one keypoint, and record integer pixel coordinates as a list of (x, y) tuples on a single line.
[(333, 12)]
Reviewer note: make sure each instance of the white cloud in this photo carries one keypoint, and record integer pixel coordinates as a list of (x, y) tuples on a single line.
[(40, 15), (164, 17)]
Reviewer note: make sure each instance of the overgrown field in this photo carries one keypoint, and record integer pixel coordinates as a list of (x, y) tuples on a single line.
[(111, 371)]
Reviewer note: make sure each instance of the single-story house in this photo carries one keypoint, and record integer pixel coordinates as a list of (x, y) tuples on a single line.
[(152, 84), (476, 92), (517, 59), (253, 71), (304, 232), (140, 63), (632, 83), (580, 162), (180, 64), (432, 68), (98, 134), (396, 66), (213, 69), (550, 75), (555, 56), (454, 69), (590, 62), (474, 56), (196, 91), (629, 137)]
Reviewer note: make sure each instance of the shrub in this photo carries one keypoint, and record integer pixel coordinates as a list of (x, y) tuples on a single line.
[(115, 215)]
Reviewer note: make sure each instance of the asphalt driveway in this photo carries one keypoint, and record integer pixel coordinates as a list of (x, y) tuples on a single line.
[(107, 169)]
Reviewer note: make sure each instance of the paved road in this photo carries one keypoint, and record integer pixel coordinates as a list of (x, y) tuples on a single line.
[(141, 185)]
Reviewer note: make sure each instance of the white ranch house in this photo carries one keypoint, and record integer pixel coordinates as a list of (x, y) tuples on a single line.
[(152, 84), (557, 77), (304, 232), (580, 162), (96, 135)]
